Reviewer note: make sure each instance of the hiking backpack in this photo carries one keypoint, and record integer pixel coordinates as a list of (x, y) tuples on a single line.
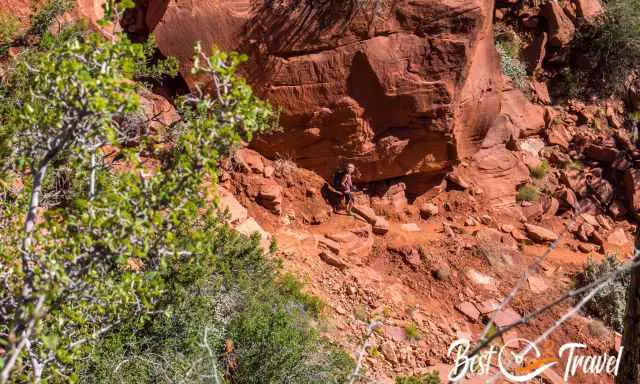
[(337, 179)]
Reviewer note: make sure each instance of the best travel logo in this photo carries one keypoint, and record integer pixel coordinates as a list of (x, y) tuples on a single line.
[(520, 360)]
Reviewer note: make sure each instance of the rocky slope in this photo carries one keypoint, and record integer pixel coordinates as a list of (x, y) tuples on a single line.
[(441, 259)]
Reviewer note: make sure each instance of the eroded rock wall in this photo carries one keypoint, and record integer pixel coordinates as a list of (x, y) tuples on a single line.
[(408, 91)]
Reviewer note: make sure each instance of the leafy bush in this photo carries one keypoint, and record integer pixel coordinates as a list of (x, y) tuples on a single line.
[(609, 303), (527, 192), (46, 12), (612, 46), (540, 170), (429, 378), (226, 315), (511, 65), (134, 281)]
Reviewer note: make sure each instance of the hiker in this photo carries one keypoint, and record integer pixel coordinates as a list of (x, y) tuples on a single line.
[(346, 186)]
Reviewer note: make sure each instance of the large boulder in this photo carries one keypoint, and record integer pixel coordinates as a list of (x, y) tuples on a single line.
[(527, 118), (409, 94), (589, 10), (495, 172), (561, 28), (540, 234)]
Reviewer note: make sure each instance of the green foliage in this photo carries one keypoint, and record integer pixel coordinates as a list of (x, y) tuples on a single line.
[(612, 46), (609, 303), (155, 70), (273, 344), (291, 286), (9, 25), (527, 192), (255, 330), (511, 65), (106, 257), (70, 91), (569, 84), (634, 116), (540, 170), (412, 332), (429, 378), (46, 12), (574, 165)]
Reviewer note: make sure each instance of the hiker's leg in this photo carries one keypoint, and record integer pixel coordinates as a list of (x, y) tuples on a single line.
[(349, 200)]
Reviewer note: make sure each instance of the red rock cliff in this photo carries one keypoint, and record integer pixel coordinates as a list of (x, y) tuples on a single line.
[(408, 91)]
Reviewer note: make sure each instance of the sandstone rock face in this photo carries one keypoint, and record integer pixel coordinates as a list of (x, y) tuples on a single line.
[(561, 28), (589, 10), (407, 94), (534, 53)]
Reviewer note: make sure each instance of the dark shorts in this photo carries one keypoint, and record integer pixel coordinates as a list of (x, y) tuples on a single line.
[(347, 197)]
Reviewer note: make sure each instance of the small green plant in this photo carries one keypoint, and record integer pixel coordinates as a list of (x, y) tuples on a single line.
[(386, 311), (634, 116), (609, 303), (44, 13), (574, 165), (511, 64), (412, 332), (9, 25), (540, 170), (374, 352), (292, 286), (528, 192), (429, 378)]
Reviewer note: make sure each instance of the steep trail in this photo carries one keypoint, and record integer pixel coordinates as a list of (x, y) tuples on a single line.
[(424, 272)]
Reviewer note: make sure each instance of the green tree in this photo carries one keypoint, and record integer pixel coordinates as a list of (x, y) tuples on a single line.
[(86, 267)]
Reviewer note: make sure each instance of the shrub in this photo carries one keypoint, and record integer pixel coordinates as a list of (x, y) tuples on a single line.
[(540, 170), (9, 25), (527, 192), (511, 64), (45, 13), (613, 45), (292, 286), (113, 258), (429, 378), (227, 313), (609, 303)]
